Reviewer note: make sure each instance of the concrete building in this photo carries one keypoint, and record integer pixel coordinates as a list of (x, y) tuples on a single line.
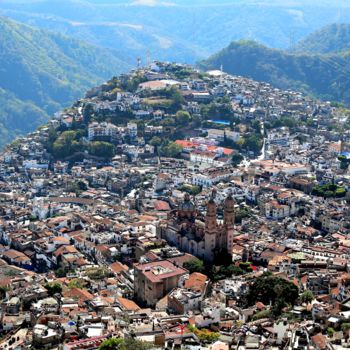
[(154, 280)]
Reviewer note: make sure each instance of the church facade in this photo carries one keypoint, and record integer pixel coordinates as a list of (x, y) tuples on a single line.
[(202, 236)]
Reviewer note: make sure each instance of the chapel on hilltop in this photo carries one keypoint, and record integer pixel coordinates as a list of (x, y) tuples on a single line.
[(202, 236)]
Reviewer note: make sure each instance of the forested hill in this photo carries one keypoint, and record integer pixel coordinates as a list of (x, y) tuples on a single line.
[(330, 39), (324, 76), (41, 72)]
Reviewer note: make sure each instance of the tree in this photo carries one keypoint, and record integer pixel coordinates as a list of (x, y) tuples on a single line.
[(307, 297), (236, 158), (194, 265), (261, 314), (270, 289), (124, 344), (64, 145), (60, 272), (222, 272), (171, 150), (155, 141), (53, 288), (3, 291), (111, 344), (204, 335), (193, 190), (253, 143), (340, 192), (88, 111), (241, 214), (177, 98), (345, 327), (330, 332), (182, 117), (102, 149)]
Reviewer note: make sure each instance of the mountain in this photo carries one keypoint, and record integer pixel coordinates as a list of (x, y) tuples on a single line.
[(42, 72), (329, 39), (325, 76), (178, 30)]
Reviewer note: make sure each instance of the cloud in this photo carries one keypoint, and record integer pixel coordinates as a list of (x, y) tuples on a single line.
[(152, 3)]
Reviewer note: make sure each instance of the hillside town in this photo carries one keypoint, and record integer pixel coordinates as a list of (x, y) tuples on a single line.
[(182, 210)]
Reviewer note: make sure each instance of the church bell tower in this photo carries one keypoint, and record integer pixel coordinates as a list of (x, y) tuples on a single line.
[(211, 229)]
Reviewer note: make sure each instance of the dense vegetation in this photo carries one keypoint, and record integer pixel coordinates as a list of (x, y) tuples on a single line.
[(41, 72), (332, 38), (325, 76), (329, 190), (275, 290)]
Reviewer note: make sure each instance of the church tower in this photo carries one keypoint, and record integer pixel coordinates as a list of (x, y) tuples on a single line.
[(229, 223), (229, 212), (211, 229)]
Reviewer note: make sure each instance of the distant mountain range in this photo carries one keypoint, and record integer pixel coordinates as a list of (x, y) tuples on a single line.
[(178, 30), (41, 72), (318, 66)]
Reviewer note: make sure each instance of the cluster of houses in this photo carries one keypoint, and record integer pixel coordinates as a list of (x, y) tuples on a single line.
[(95, 249)]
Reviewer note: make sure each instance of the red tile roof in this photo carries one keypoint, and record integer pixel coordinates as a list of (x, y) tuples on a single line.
[(196, 282)]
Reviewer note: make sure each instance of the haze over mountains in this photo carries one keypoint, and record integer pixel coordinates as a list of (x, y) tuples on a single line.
[(46, 69), (178, 30)]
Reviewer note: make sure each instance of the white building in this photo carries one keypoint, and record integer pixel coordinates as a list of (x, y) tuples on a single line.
[(103, 131), (211, 177), (219, 135), (132, 130)]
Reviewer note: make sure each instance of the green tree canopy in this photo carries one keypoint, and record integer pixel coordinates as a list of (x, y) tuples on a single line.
[(155, 141), (270, 289), (171, 150), (65, 145), (194, 265), (102, 149), (124, 344), (183, 117), (307, 297), (53, 288)]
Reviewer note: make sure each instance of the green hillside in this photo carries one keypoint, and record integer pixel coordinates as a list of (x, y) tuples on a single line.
[(41, 72), (178, 30), (325, 76), (329, 39)]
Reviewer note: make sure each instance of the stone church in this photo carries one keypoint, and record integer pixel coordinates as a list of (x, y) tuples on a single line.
[(202, 236)]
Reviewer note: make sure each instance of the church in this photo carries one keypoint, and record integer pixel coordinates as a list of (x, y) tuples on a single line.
[(202, 236)]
